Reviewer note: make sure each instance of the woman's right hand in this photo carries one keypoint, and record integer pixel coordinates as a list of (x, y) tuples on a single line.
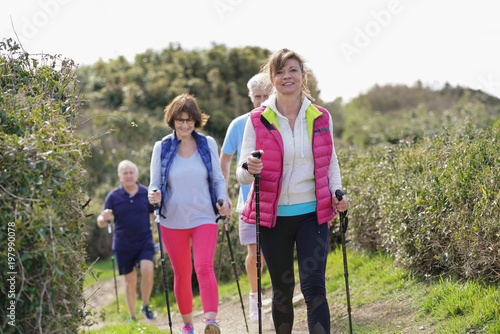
[(254, 165), (154, 197)]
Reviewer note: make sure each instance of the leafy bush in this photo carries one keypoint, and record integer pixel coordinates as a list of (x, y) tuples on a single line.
[(41, 197), (411, 114), (434, 204)]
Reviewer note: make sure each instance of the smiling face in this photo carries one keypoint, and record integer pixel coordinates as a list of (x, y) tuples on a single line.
[(184, 125), (288, 80)]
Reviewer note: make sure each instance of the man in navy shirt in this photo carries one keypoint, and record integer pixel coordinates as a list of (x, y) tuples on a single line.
[(133, 241)]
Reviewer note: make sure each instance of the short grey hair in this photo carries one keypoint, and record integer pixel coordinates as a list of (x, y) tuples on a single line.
[(260, 80), (127, 163)]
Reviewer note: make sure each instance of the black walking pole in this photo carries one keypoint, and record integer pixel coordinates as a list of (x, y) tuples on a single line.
[(157, 220), (224, 219), (113, 261), (257, 154), (343, 229)]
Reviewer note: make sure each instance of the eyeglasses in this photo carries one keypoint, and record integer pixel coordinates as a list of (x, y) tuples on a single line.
[(180, 121)]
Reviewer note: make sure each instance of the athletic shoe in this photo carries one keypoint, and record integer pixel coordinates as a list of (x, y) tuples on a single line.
[(132, 319), (254, 307), (212, 327), (187, 329), (147, 312)]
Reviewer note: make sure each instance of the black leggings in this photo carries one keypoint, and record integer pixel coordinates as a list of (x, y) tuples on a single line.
[(277, 245)]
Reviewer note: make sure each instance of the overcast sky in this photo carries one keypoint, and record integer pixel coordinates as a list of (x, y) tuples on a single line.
[(350, 45)]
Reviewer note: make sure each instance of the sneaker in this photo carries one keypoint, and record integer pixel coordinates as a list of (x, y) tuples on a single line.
[(212, 327), (254, 307), (147, 312), (132, 319), (187, 329)]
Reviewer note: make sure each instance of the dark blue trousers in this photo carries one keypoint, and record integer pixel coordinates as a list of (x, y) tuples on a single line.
[(311, 242)]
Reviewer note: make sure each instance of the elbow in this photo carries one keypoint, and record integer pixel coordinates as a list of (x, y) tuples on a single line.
[(244, 177), (245, 182)]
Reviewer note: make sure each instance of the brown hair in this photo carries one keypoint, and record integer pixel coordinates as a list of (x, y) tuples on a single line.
[(276, 62), (185, 103)]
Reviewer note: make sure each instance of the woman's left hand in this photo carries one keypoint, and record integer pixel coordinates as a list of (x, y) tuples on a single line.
[(342, 205), (225, 209)]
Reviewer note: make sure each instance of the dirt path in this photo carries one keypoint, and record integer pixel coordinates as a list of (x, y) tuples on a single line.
[(230, 312), (402, 317), (103, 293), (231, 318)]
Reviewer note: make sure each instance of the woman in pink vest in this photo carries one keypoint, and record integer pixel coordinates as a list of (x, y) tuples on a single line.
[(299, 175)]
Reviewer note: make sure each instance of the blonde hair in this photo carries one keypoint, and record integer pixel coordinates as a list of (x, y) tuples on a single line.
[(276, 62)]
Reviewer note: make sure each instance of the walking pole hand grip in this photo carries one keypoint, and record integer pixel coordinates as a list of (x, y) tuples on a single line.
[(221, 203), (156, 206), (257, 154), (339, 194), (343, 215)]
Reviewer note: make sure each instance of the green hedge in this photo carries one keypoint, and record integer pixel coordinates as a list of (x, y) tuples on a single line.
[(41, 198), (434, 204)]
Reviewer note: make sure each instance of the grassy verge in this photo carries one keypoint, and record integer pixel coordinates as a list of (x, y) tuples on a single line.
[(135, 328), (472, 306), (388, 299), (384, 299)]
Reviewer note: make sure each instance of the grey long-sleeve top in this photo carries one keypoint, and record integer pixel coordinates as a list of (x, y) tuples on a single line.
[(188, 203)]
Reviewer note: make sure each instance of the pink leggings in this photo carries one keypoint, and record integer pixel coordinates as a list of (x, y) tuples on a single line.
[(177, 246)]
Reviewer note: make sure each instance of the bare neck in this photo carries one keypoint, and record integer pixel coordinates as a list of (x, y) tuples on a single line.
[(288, 106), (187, 147), (186, 139)]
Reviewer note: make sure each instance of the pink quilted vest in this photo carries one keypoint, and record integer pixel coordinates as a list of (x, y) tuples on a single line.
[(268, 138)]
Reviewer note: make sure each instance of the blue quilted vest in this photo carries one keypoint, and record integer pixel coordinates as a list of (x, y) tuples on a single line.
[(169, 146)]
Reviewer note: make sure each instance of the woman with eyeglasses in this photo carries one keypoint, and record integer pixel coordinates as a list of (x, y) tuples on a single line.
[(185, 168)]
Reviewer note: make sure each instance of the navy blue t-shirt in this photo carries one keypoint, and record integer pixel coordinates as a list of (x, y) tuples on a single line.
[(131, 218)]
